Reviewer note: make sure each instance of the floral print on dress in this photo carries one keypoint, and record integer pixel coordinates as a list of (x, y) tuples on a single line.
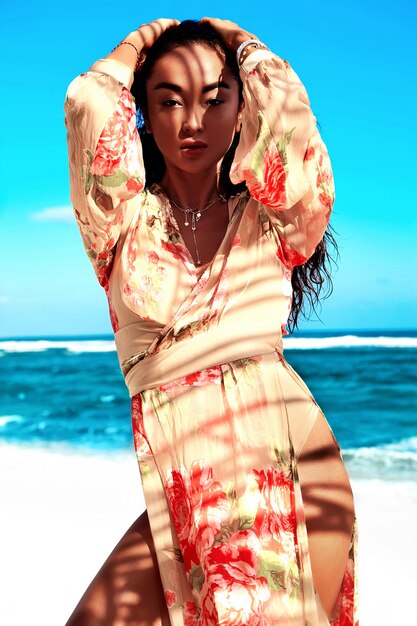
[(266, 178), (196, 379), (116, 154), (141, 444), (236, 551), (233, 594), (199, 504)]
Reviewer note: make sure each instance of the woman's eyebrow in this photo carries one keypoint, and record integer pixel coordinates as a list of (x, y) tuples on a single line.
[(221, 84), (169, 86)]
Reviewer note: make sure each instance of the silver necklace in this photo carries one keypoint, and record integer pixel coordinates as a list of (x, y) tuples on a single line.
[(196, 215)]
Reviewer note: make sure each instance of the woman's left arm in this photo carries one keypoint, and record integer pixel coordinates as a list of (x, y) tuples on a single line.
[(282, 157)]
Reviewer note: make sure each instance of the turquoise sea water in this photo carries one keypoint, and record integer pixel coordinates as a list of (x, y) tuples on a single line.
[(70, 392)]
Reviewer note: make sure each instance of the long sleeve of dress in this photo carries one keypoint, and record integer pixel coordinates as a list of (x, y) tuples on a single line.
[(105, 157), (282, 157)]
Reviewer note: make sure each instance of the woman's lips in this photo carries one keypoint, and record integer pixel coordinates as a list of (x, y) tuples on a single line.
[(193, 149), (193, 144)]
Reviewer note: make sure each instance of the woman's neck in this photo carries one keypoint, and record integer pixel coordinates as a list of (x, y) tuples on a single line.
[(192, 190)]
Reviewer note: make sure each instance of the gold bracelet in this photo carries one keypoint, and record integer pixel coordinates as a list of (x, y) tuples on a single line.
[(138, 54)]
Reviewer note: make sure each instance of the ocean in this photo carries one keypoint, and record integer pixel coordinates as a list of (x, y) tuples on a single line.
[(68, 392)]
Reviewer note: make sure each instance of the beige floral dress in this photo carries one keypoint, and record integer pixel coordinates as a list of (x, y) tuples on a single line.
[(201, 348)]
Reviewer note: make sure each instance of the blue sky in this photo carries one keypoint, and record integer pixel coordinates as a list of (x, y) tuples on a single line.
[(357, 61)]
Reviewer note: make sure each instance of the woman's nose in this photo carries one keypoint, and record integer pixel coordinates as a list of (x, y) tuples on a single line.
[(193, 120)]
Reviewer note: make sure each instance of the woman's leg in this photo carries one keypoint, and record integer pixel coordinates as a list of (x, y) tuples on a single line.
[(127, 590), (329, 510)]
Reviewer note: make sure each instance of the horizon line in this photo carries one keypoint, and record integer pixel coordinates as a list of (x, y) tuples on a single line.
[(349, 331)]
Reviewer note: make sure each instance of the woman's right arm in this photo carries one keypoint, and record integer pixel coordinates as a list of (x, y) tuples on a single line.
[(105, 154)]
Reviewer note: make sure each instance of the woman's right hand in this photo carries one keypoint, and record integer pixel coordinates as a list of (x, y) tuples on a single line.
[(141, 40), (149, 33)]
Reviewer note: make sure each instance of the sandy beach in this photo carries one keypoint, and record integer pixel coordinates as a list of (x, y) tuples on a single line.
[(62, 513)]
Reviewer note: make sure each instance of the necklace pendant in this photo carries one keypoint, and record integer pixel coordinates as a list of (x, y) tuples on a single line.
[(197, 216), (186, 222), (193, 224)]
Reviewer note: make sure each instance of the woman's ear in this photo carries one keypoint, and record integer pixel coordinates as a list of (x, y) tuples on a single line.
[(239, 117), (148, 127)]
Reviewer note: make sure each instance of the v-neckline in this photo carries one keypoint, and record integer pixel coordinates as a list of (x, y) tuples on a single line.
[(199, 270)]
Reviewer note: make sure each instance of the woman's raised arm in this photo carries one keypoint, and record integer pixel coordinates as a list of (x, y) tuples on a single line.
[(105, 154), (281, 155)]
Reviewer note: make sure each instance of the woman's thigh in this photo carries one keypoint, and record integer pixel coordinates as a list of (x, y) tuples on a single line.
[(127, 590), (329, 510)]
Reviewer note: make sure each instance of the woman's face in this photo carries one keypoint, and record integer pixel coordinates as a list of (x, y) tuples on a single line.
[(193, 108)]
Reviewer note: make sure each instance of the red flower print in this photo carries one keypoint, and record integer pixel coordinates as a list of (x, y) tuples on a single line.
[(190, 608), (324, 176), (118, 147), (197, 379), (177, 489), (152, 257), (139, 438), (133, 186), (115, 138), (275, 518), (289, 258), (271, 190), (141, 444), (325, 199), (170, 597), (345, 606), (232, 594), (199, 505), (132, 249), (177, 250), (309, 154)]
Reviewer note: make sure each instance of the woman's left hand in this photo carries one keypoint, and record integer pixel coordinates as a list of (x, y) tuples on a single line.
[(232, 34)]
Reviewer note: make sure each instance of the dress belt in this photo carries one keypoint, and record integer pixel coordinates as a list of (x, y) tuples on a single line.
[(217, 346), (127, 364)]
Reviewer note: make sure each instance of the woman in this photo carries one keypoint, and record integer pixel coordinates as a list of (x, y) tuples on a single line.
[(200, 243)]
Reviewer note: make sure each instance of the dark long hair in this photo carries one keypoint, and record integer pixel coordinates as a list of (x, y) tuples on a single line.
[(308, 280), (186, 33)]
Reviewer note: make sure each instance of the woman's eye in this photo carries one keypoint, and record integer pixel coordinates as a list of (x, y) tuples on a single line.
[(214, 101), (171, 102)]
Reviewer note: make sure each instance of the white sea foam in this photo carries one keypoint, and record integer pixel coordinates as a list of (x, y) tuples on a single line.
[(9, 419), (99, 345), (77, 346), (391, 461), (72, 346), (402, 449), (348, 341)]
